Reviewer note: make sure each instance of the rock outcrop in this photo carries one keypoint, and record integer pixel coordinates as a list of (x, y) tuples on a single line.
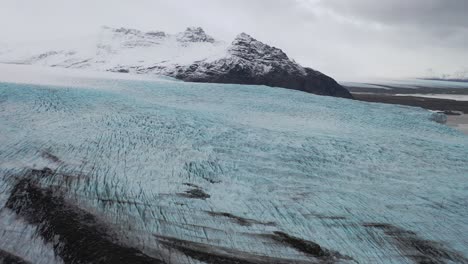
[(249, 61)]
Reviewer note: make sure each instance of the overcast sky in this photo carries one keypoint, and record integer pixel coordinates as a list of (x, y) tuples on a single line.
[(346, 39)]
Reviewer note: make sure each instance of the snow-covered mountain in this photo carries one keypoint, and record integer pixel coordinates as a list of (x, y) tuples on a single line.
[(458, 76), (191, 55)]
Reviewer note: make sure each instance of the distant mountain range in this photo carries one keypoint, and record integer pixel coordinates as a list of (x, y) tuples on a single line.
[(191, 55), (446, 79), (459, 76)]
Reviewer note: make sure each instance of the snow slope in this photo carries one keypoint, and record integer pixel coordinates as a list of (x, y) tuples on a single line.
[(112, 48), (209, 173)]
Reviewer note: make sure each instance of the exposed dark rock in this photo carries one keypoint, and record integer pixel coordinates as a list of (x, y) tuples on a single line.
[(309, 248), (450, 112), (51, 157), (420, 250), (123, 71), (8, 258), (302, 245), (121, 202), (253, 62), (239, 220), (47, 172), (428, 103), (191, 185), (326, 217), (220, 255), (76, 235), (195, 194)]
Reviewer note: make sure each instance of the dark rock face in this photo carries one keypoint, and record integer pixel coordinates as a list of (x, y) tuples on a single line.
[(252, 62)]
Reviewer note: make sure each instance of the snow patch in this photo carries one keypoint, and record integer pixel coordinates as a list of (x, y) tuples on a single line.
[(456, 97)]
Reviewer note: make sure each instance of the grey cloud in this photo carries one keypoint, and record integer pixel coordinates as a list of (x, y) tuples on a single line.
[(428, 13), (343, 38)]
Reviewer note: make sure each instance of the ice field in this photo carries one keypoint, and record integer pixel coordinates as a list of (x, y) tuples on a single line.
[(161, 171)]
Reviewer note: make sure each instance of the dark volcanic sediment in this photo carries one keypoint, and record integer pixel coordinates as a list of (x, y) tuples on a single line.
[(77, 235), (416, 248), (8, 258), (428, 103)]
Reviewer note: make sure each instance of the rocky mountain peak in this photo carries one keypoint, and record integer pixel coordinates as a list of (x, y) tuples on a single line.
[(132, 33), (159, 34), (194, 34), (247, 47), (243, 37), (125, 31)]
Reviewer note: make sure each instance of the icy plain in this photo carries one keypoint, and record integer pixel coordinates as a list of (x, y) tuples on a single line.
[(238, 171)]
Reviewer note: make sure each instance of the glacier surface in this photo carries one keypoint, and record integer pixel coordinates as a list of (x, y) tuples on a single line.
[(235, 171)]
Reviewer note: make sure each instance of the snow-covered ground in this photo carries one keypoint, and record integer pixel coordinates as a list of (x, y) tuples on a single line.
[(227, 166)]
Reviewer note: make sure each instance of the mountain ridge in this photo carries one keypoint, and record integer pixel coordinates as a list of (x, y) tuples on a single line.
[(191, 55)]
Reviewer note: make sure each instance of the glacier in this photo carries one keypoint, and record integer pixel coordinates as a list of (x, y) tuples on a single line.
[(219, 173)]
